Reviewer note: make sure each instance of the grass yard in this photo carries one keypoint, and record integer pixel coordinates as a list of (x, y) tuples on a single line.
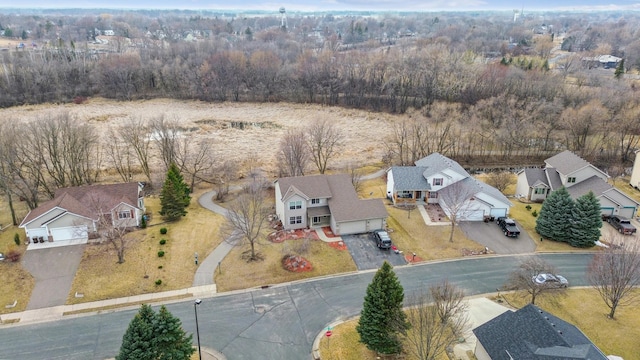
[(100, 277)]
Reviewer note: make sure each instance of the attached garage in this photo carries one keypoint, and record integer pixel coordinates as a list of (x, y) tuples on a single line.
[(628, 212), (70, 233), (351, 227), (474, 215), (495, 212)]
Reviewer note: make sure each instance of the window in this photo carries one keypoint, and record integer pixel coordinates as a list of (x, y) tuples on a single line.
[(316, 219), (437, 182), (295, 205), (571, 179), (405, 194), (295, 220), (540, 191), (125, 214), (315, 201), (433, 195)]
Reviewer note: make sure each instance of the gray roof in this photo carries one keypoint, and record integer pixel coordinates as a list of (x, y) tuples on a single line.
[(536, 176), (531, 333), (345, 204), (491, 191), (436, 162), (314, 186), (594, 183), (553, 179), (409, 178), (567, 162)]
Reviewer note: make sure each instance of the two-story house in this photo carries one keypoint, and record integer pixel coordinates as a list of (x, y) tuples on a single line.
[(327, 200), (579, 177), (423, 183)]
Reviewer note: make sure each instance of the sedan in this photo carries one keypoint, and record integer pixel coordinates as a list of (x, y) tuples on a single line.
[(550, 280)]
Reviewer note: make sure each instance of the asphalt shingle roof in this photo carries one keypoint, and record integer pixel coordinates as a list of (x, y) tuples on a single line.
[(437, 162), (531, 333), (536, 176), (567, 162), (409, 178)]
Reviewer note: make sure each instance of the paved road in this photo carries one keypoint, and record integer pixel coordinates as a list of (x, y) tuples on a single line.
[(366, 254), (490, 235), (275, 323), (53, 269)]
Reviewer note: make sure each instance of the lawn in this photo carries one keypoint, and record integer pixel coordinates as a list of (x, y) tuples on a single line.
[(581, 307), (100, 277)]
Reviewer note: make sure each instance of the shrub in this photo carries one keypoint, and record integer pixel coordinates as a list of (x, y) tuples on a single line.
[(163, 230), (143, 222), (528, 207), (534, 213), (160, 253), (16, 239), (158, 282), (163, 241), (13, 255), (159, 266)]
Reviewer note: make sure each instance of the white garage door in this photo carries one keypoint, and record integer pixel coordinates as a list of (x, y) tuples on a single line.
[(473, 215), (629, 213), (353, 227), (498, 212), (69, 233)]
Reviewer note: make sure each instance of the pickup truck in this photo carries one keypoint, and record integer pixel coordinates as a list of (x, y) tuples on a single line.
[(623, 225), (508, 226)]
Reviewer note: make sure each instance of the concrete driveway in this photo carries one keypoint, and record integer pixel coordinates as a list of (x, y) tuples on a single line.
[(490, 235), (53, 269), (366, 254)]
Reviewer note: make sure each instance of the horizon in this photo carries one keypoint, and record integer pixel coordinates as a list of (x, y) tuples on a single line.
[(330, 5)]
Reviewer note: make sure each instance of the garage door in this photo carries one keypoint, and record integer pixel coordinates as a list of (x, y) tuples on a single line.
[(473, 215), (629, 213), (498, 212), (353, 227), (69, 233), (607, 211)]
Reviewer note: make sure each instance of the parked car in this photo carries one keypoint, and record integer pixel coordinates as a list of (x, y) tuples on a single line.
[(623, 225), (1, 256), (508, 226), (383, 240), (550, 280)]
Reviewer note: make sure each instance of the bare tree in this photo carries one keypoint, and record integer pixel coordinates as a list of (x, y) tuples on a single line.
[(449, 300), (225, 173), (615, 274), (429, 336), (194, 163), (356, 177), (456, 201), (324, 140), (500, 179), (246, 218), (135, 134), (293, 155), (121, 155), (166, 134), (522, 278)]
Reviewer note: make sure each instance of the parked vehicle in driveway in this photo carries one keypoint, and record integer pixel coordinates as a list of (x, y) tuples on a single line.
[(383, 240), (623, 225), (508, 226), (550, 280)]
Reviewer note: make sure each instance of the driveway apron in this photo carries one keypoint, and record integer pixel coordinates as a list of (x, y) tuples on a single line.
[(53, 270)]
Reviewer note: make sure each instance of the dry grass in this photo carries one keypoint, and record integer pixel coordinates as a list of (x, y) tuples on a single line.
[(236, 273), (100, 277), (585, 309), (344, 344)]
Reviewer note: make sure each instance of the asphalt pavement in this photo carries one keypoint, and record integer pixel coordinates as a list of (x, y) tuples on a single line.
[(490, 235), (280, 322), (366, 254)]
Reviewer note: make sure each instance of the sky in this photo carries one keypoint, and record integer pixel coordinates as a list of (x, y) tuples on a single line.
[(329, 5)]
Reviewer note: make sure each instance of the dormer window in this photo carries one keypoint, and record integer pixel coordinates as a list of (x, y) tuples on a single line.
[(438, 181), (315, 201), (571, 179)]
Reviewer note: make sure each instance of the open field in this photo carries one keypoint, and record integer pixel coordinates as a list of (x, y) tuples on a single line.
[(581, 307)]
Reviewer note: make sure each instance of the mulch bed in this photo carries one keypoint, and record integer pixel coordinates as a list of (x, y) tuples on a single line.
[(282, 235), (340, 245), (295, 263), (327, 231)]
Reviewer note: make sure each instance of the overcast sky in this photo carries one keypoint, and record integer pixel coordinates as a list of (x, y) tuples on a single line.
[(327, 5)]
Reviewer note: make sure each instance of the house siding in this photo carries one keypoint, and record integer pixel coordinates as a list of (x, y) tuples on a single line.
[(481, 353), (522, 186), (288, 213), (279, 204), (635, 173), (582, 175), (390, 185), (125, 222)]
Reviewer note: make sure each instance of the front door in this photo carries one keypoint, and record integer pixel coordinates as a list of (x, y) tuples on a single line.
[(418, 195)]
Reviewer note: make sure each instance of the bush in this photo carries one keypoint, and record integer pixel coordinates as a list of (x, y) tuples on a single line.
[(143, 222), (13, 255), (163, 230), (159, 266), (163, 241), (160, 253), (528, 207), (16, 239), (534, 213), (158, 282)]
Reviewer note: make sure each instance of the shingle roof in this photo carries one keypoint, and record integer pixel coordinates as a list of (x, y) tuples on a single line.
[(531, 333), (436, 162), (567, 162), (553, 179), (313, 186), (536, 176), (594, 183), (409, 178), (491, 191)]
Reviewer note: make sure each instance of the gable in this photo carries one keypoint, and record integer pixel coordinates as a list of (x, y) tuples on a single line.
[(409, 178), (314, 186), (436, 163)]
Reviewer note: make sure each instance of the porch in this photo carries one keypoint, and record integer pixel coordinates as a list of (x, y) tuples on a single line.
[(415, 197), (319, 216)]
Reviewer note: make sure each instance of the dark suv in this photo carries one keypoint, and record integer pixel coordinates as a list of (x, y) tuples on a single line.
[(383, 240)]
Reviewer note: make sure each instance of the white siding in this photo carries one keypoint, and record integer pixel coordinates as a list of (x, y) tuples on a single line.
[(288, 213), (582, 175), (390, 184), (279, 204), (522, 186), (635, 173)]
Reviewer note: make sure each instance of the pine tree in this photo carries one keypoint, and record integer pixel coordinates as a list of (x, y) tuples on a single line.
[(586, 221), (554, 221), (382, 318), (137, 342), (171, 342), (174, 197), (619, 70)]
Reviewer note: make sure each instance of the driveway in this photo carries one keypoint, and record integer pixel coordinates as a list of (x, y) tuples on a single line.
[(366, 254), (53, 270), (490, 235)]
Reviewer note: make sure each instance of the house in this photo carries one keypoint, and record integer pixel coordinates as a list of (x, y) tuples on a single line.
[(327, 200), (74, 213), (422, 183), (579, 177), (635, 173), (531, 333)]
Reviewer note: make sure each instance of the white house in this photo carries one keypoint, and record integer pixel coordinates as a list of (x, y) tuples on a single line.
[(327, 200), (424, 184), (74, 213), (579, 177), (635, 173)]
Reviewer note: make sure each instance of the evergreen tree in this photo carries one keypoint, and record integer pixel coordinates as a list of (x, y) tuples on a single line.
[(382, 318), (155, 336), (174, 197), (554, 221), (171, 342), (586, 221), (619, 69), (137, 342)]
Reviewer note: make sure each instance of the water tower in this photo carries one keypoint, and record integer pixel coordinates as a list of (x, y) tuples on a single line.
[(283, 15)]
